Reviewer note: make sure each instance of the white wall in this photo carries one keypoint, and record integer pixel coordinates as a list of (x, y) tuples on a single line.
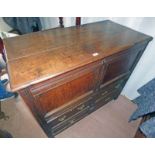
[(49, 22), (3, 26)]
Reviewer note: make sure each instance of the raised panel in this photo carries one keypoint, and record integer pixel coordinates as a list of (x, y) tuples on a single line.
[(119, 64), (57, 97)]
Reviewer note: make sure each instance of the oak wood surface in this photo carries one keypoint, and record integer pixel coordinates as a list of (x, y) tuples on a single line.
[(34, 57)]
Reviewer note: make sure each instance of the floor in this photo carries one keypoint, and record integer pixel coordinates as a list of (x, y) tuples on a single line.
[(109, 121)]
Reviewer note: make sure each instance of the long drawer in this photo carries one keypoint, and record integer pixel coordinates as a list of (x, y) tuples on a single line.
[(62, 116), (70, 121)]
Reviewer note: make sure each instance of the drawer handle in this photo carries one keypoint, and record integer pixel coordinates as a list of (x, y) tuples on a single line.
[(71, 110), (118, 85), (107, 99), (104, 93), (72, 121), (81, 108), (62, 118)]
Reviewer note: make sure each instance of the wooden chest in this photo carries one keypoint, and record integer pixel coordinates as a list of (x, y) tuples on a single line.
[(65, 74)]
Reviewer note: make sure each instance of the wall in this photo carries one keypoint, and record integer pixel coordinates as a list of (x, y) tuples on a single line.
[(49, 22), (3, 26)]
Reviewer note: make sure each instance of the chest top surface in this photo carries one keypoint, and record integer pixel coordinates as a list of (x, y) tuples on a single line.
[(38, 56)]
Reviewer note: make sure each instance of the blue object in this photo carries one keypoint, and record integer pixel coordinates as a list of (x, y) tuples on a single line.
[(5, 81), (146, 105), (147, 88), (148, 128), (145, 102), (4, 94)]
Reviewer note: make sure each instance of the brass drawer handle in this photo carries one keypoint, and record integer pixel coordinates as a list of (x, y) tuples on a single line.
[(104, 93), (72, 121), (118, 85), (62, 118), (71, 110), (107, 99), (81, 107)]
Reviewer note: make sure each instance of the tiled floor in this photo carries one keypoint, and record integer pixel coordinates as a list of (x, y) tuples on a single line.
[(109, 121)]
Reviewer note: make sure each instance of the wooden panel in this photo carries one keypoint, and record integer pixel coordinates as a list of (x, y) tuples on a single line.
[(119, 64), (60, 95)]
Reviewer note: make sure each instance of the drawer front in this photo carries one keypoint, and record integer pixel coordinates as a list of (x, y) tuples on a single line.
[(69, 112), (70, 121), (105, 98)]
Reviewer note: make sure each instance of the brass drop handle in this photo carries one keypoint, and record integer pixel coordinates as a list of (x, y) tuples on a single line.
[(72, 121), (118, 85), (107, 99), (81, 107), (105, 92), (62, 118)]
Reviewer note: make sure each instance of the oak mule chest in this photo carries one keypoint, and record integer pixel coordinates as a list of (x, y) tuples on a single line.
[(64, 74)]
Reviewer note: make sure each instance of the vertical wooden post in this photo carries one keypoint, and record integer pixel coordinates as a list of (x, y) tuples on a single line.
[(78, 21), (61, 22)]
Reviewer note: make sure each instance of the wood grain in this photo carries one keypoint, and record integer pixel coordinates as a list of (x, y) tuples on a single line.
[(34, 57)]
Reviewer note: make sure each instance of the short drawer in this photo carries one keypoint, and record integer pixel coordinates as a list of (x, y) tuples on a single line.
[(107, 97), (60, 117)]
